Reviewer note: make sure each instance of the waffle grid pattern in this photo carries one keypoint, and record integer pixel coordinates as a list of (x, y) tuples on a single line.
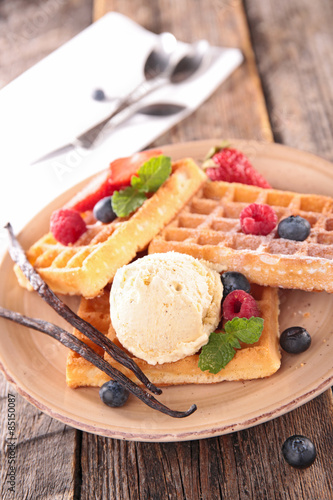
[(86, 267), (208, 227), (47, 252)]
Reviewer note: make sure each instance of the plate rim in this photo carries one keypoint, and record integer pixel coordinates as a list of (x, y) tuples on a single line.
[(170, 437)]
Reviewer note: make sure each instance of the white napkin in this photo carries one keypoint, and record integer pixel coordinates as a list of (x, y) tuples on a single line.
[(51, 103)]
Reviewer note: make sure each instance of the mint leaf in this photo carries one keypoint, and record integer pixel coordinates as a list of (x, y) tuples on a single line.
[(246, 330), (152, 174), (220, 349), (217, 353), (127, 200), (149, 178)]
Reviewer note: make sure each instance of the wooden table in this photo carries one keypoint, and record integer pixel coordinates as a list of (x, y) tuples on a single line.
[(282, 92)]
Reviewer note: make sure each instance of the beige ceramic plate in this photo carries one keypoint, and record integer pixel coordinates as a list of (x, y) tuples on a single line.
[(35, 364)]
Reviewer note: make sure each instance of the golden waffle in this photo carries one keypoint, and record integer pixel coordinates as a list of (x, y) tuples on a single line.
[(258, 360), (86, 267), (208, 227)]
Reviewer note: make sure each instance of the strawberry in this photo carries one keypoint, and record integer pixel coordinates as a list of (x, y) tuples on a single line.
[(230, 165), (99, 187), (124, 168), (116, 177)]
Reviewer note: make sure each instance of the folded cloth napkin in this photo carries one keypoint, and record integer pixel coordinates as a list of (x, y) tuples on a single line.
[(51, 103)]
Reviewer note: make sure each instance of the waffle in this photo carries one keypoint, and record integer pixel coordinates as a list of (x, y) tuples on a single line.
[(86, 267), (258, 360), (208, 227)]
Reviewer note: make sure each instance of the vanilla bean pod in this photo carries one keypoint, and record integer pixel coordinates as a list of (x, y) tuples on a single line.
[(18, 255), (69, 340)]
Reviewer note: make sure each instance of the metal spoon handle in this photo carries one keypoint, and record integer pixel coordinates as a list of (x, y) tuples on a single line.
[(88, 137)]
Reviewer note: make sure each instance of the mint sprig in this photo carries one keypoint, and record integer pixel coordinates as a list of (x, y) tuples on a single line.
[(151, 176), (127, 200), (221, 347)]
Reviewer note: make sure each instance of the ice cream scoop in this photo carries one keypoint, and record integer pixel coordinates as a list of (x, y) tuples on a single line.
[(164, 306)]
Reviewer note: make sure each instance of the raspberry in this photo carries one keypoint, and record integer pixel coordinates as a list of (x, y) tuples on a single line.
[(67, 225), (258, 219), (234, 166), (239, 304)]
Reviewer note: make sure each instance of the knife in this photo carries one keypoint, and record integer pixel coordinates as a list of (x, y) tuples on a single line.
[(159, 109)]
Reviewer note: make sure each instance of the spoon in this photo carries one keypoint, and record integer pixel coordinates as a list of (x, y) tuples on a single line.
[(190, 62), (156, 63), (161, 109), (181, 71), (159, 58)]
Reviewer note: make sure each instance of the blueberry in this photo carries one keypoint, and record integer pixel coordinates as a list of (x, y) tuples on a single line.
[(113, 394), (299, 452), (98, 95), (103, 210), (294, 228), (295, 340), (234, 281)]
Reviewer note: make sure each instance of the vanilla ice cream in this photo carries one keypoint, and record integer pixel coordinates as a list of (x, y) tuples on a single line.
[(165, 306)]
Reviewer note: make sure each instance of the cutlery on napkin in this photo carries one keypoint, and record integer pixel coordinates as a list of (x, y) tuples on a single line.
[(43, 108)]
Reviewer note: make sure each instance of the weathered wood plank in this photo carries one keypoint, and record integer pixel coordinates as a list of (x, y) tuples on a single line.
[(293, 45), (29, 31), (43, 455), (260, 466), (237, 108), (45, 449), (244, 465)]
